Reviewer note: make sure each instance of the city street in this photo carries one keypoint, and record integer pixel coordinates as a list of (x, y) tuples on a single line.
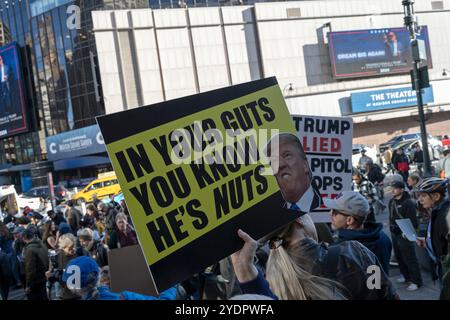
[(221, 122)]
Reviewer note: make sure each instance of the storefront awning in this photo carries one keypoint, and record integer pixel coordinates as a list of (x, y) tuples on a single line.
[(79, 162), (14, 168)]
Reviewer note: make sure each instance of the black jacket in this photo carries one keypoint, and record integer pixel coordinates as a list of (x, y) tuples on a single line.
[(110, 220), (402, 209), (439, 229), (418, 156), (36, 263), (375, 174), (99, 253), (373, 238), (5, 270), (348, 265), (58, 218), (74, 217)]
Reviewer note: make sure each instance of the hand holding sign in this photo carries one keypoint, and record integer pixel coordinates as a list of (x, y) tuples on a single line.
[(242, 260)]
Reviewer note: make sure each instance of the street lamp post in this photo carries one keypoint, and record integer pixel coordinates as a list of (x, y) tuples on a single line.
[(411, 25)]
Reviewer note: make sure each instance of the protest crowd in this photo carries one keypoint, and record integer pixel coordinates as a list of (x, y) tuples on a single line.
[(302, 260)]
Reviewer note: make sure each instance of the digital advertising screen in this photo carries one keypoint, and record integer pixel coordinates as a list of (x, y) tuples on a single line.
[(365, 53), (13, 116)]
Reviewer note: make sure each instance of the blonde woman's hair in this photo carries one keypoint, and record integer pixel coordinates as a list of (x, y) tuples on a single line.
[(66, 240), (287, 276)]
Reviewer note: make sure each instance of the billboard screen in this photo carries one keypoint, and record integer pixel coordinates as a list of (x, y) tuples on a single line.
[(365, 53), (13, 118)]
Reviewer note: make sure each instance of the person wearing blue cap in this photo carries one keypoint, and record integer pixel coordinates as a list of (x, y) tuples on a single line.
[(88, 287)]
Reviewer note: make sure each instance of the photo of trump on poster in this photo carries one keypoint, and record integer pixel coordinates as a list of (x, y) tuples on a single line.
[(292, 172)]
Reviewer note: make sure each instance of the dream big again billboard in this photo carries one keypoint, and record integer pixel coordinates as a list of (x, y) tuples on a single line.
[(364, 53)]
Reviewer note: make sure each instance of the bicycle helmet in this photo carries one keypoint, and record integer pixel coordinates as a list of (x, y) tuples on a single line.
[(432, 185)]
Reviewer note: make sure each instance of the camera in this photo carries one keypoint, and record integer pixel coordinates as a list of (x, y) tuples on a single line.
[(56, 273)]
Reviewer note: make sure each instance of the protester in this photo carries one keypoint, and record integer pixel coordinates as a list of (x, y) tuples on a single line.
[(412, 182), (418, 158), (445, 291), (349, 211), (124, 209), (300, 268), (367, 190), (36, 264), (6, 275), (432, 195), (113, 203), (74, 216), (95, 200), (444, 167), (363, 160), (68, 250), (387, 155), (90, 288), (109, 215), (401, 164), (376, 177), (96, 249), (91, 217), (401, 206), (49, 235), (6, 239), (123, 235), (18, 257), (373, 172), (57, 217)]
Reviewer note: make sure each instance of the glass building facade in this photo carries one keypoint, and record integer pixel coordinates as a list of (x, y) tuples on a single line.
[(62, 80)]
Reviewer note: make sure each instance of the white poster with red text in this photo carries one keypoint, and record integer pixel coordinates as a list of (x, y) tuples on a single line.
[(327, 142)]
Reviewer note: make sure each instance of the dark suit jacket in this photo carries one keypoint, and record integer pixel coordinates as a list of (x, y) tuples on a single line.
[(315, 203)]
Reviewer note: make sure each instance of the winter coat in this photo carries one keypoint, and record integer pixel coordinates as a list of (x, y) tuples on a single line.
[(373, 237), (6, 275), (74, 217), (36, 263), (99, 253), (104, 293), (120, 240), (404, 208), (445, 291)]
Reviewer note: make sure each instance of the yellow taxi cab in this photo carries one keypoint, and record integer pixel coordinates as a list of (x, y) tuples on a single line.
[(106, 185)]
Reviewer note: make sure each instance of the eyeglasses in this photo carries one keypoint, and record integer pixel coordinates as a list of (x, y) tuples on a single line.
[(275, 243)]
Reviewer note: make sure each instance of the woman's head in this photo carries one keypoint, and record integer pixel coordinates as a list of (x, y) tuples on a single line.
[(121, 222), (288, 265), (90, 209), (431, 191), (67, 243), (49, 229), (86, 237)]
